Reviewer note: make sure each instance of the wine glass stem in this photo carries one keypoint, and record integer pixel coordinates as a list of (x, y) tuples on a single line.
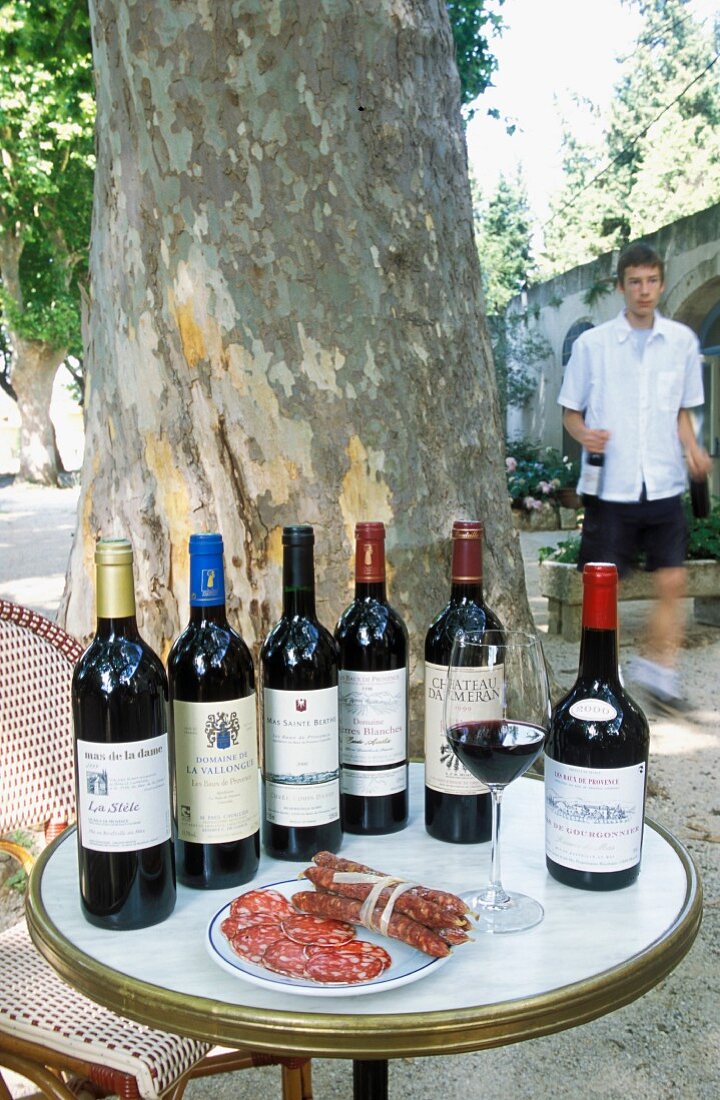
[(495, 892)]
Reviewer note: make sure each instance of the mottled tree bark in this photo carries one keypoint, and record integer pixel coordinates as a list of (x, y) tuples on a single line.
[(34, 366), (285, 317)]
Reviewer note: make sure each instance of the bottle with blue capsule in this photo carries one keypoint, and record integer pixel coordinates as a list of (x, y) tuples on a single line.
[(213, 723)]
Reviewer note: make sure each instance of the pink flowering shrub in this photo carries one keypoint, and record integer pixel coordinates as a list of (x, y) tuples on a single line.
[(535, 474)]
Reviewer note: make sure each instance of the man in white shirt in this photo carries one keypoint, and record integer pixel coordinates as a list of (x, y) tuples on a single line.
[(626, 394)]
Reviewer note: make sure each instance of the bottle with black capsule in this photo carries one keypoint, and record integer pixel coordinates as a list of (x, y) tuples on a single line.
[(593, 474), (299, 669), (214, 729), (596, 756), (373, 685), (122, 767), (457, 806)]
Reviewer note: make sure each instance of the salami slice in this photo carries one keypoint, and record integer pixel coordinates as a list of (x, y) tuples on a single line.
[(269, 902), (336, 967), (361, 949), (286, 957), (232, 925), (253, 942), (322, 931)]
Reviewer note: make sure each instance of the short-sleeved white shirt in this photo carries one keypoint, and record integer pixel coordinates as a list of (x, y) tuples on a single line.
[(634, 389)]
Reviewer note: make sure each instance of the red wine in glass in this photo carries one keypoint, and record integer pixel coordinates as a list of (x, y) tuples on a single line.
[(497, 751), (502, 672)]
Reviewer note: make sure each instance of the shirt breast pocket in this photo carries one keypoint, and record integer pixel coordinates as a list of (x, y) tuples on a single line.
[(669, 391)]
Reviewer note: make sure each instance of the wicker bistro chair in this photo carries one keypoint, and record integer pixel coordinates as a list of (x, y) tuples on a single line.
[(49, 1033)]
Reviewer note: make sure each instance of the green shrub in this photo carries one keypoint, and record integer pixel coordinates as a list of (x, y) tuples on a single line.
[(567, 550)]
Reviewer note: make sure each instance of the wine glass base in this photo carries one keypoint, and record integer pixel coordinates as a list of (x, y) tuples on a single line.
[(517, 913)]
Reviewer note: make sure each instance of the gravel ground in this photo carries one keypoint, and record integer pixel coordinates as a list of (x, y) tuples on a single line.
[(665, 1046)]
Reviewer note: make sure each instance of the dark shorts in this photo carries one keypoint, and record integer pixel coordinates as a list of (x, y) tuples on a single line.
[(624, 533)]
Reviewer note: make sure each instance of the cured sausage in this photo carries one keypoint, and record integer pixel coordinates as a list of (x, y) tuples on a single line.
[(323, 932), (400, 927), (442, 898), (420, 909)]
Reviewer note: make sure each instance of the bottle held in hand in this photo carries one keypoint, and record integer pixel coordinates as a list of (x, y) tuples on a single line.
[(214, 729), (119, 694), (457, 806), (596, 757), (700, 498), (299, 669), (592, 480), (373, 688)]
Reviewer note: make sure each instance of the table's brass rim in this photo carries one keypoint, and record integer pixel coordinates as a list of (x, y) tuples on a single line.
[(374, 1036)]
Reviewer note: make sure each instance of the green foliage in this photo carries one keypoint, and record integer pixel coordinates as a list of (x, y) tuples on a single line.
[(474, 23), (567, 550), (517, 351), (502, 231), (704, 540), (535, 473), (46, 163), (658, 155)]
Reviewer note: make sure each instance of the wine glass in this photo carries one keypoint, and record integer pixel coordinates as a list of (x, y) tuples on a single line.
[(496, 715)]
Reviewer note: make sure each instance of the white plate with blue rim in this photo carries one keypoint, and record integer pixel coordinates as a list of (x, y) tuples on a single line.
[(408, 964)]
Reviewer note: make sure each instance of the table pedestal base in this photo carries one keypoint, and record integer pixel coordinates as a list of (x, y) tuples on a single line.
[(370, 1080)]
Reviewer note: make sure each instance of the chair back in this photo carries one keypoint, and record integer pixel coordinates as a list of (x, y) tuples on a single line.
[(37, 659)]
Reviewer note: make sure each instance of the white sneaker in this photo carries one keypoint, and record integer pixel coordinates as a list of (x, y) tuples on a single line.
[(660, 682)]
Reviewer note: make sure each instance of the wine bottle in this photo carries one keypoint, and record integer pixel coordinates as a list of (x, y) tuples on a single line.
[(596, 757), (593, 474), (119, 695), (373, 688), (301, 767), (214, 729), (457, 806), (700, 497)]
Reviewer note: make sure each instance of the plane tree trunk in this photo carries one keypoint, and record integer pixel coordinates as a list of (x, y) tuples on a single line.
[(285, 319)]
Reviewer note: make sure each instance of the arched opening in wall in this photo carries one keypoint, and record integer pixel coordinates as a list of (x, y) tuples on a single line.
[(570, 446)]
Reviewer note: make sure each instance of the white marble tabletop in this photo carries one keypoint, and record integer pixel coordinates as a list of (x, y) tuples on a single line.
[(592, 953)]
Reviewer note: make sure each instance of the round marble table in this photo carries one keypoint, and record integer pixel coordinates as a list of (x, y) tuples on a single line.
[(593, 952)]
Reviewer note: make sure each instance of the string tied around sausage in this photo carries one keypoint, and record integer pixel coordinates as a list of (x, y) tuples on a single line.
[(379, 883)]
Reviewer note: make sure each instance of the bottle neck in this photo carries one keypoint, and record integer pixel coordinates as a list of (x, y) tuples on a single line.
[(370, 590), (466, 592), (370, 563), (118, 627), (467, 574), (208, 613), (115, 598), (598, 655), (298, 582), (598, 644)]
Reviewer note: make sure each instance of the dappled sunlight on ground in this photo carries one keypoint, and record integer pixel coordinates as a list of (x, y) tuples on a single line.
[(679, 739)]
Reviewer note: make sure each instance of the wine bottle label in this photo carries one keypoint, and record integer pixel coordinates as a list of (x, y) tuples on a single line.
[(216, 770), (373, 784), (301, 765), (124, 794), (373, 717), (483, 689), (594, 816)]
